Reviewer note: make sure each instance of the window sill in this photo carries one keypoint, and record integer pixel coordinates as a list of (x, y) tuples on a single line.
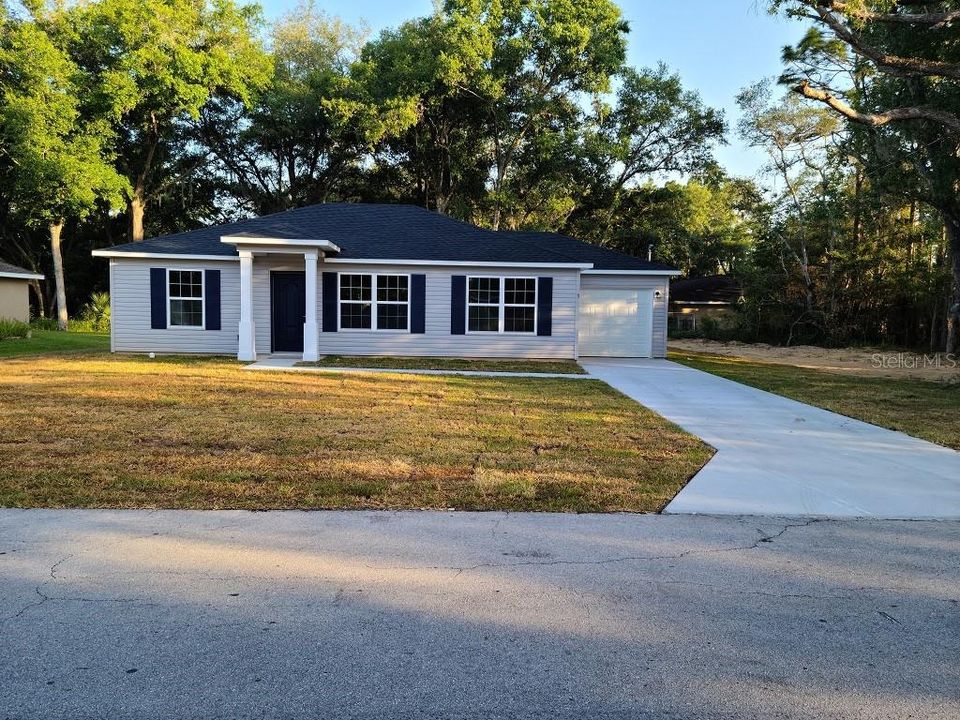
[(532, 333)]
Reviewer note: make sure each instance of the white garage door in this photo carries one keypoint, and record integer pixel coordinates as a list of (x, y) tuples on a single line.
[(616, 323)]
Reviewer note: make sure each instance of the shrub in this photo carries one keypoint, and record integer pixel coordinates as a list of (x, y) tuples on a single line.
[(95, 315), (43, 323), (13, 329)]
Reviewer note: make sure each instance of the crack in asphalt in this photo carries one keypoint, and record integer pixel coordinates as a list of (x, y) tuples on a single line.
[(459, 570), (43, 597), (765, 538), (607, 561)]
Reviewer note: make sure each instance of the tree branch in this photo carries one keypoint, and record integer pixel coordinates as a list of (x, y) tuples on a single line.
[(936, 20), (878, 119), (890, 64)]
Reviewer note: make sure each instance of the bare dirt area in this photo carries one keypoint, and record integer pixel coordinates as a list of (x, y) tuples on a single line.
[(861, 361)]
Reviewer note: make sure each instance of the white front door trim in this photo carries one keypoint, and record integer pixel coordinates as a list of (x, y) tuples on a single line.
[(247, 350), (311, 340)]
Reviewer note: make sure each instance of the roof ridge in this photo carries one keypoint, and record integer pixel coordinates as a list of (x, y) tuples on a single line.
[(391, 231), (10, 267)]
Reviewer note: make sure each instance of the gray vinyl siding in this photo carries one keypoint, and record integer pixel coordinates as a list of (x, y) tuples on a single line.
[(130, 310), (639, 282), (437, 340), (131, 332)]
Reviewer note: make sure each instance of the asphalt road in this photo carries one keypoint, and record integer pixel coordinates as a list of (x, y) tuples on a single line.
[(455, 615)]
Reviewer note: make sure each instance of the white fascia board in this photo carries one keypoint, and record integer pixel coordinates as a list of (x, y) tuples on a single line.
[(280, 242), (281, 250), (670, 273), (456, 263), (21, 276), (160, 256)]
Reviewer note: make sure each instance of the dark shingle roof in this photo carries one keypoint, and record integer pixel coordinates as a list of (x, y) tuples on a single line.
[(392, 232), (713, 288), (579, 251), (8, 268)]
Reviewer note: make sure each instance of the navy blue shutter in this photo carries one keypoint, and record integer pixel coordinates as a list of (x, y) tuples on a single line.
[(458, 305), (211, 299), (545, 306), (158, 298), (418, 303), (329, 302)]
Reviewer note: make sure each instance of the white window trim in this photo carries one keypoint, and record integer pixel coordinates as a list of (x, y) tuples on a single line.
[(202, 299), (502, 304), (373, 303)]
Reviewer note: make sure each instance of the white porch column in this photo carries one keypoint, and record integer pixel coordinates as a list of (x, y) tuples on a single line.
[(248, 344), (310, 338)]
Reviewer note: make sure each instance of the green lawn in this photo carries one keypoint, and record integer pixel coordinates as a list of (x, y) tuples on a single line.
[(470, 364), (45, 342), (124, 432), (924, 409)]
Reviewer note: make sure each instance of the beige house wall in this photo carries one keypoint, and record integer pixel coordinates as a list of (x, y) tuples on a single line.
[(14, 299)]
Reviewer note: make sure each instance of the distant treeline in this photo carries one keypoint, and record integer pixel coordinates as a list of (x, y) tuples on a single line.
[(125, 119)]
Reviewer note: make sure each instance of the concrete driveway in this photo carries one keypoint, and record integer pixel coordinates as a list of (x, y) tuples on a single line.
[(289, 615), (780, 457)]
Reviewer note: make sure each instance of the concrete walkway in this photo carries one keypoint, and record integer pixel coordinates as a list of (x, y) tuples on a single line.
[(289, 364), (140, 615), (781, 457)]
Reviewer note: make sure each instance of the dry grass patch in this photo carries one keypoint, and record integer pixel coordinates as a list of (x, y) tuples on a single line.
[(108, 431)]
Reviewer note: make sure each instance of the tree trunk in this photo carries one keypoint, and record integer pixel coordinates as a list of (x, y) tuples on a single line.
[(135, 209), (857, 206), (55, 229), (38, 294), (498, 183), (952, 223)]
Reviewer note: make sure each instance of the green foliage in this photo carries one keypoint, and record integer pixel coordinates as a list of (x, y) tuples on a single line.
[(307, 132), (544, 57), (896, 78), (13, 329), (436, 66), (655, 128), (704, 226), (161, 59), (835, 258), (510, 113), (60, 155), (157, 64), (95, 315), (43, 323)]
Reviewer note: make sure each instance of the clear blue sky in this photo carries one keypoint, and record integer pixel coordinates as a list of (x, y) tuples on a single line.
[(717, 46)]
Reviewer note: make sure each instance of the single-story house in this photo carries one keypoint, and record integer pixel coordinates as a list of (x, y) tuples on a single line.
[(693, 299), (368, 279), (15, 291)]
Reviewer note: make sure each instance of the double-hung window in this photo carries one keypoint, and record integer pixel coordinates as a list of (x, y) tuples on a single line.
[(374, 302), (185, 298), (501, 304)]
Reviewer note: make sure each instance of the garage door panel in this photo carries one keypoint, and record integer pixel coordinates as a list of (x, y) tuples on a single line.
[(616, 323)]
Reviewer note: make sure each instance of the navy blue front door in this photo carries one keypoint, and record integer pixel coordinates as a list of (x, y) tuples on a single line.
[(289, 307)]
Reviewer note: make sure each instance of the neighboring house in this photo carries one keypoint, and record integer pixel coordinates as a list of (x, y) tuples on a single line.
[(15, 292), (693, 299), (357, 279)]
